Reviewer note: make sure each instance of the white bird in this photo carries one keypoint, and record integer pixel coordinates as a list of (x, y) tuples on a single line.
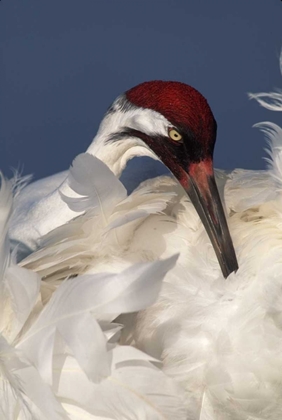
[(220, 339), (169, 121)]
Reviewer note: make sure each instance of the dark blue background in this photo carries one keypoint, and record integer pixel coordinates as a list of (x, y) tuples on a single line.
[(64, 61)]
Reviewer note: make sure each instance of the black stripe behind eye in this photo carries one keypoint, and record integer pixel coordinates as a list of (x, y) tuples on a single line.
[(130, 132), (119, 135)]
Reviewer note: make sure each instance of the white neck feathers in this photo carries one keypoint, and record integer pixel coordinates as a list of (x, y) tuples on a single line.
[(116, 153)]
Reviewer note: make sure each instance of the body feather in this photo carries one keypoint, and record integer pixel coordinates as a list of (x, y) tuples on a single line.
[(59, 352)]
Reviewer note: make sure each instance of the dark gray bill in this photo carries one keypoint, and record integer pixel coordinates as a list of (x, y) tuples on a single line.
[(202, 190)]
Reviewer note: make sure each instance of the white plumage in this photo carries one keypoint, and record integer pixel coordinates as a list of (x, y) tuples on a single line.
[(59, 351), (219, 339)]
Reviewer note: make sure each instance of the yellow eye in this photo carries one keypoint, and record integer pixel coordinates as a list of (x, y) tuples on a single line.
[(174, 135)]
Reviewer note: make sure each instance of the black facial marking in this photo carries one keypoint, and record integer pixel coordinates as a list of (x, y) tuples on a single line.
[(174, 154)]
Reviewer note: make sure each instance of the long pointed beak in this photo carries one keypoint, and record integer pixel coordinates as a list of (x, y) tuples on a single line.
[(201, 187)]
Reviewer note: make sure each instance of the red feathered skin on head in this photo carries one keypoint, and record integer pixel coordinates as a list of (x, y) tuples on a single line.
[(180, 104)]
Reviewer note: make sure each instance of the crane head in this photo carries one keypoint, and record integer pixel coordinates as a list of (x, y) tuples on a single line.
[(175, 122)]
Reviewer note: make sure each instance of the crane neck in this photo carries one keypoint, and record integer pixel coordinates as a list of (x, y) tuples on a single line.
[(116, 151)]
